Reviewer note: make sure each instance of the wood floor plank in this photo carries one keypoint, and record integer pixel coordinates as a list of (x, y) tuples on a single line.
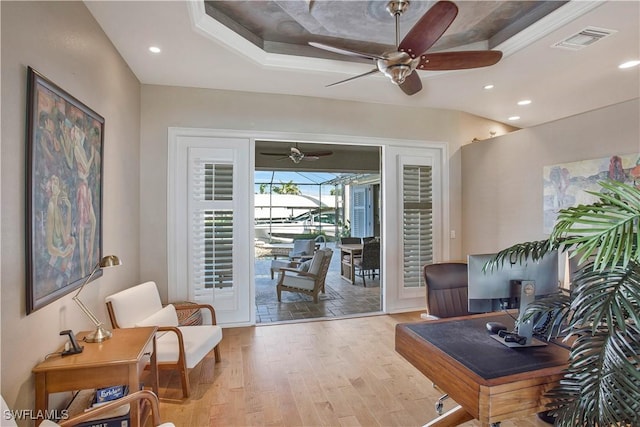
[(322, 373)]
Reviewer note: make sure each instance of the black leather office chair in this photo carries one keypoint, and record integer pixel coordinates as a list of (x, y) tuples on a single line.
[(447, 296)]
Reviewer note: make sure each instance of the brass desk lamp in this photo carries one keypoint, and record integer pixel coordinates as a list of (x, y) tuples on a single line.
[(100, 334)]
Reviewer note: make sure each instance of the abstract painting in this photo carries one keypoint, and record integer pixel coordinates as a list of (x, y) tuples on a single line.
[(64, 200), (565, 184)]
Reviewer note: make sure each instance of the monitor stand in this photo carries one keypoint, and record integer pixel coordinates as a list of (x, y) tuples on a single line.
[(525, 329)]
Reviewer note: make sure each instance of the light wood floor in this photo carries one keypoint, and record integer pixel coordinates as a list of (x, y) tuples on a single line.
[(322, 373)]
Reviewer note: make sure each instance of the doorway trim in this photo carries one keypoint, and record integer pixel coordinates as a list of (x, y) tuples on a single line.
[(389, 266)]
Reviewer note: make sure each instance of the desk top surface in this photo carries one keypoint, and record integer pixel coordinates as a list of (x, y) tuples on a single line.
[(467, 341), (125, 346)]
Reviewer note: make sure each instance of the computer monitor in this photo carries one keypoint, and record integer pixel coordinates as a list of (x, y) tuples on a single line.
[(511, 286), (498, 288)]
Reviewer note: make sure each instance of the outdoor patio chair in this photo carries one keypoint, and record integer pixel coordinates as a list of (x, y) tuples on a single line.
[(303, 249), (308, 278), (369, 261)]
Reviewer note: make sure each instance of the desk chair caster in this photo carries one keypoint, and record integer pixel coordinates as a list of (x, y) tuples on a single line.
[(440, 404)]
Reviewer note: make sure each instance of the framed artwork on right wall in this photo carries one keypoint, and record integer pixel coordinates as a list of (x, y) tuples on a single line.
[(566, 184)]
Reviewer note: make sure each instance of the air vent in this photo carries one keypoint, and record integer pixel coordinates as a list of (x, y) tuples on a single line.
[(584, 38)]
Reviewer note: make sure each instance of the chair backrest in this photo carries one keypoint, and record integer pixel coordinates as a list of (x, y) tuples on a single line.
[(370, 255), (7, 417), (303, 247), (350, 240), (317, 262), (133, 305), (324, 268), (447, 287)]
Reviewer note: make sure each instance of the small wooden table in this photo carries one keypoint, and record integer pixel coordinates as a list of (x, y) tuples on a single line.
[(119, 360), (489, 381), (347, 267)]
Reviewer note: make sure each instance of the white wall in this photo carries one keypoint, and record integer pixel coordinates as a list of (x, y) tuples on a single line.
[(63, 42), (164, 107), (502, 177)]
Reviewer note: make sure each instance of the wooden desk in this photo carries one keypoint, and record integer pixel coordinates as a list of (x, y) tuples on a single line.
[(347, 267), (116, 361), (489, 381)]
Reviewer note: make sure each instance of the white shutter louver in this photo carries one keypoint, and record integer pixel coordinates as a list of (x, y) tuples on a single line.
[(417, 220), (212, 227), (358, 213)]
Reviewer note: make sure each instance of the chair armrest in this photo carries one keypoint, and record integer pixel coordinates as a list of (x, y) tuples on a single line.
[(176, 331), (298, 272), (191, 306), (134, 398)]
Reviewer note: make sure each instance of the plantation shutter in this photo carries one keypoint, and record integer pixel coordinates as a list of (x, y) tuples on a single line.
[(359, 211), (417, 218), (212, 226)]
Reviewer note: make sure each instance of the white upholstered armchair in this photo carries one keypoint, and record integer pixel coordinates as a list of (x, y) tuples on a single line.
[(177, 347)]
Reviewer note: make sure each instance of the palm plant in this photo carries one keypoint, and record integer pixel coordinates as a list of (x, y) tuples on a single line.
[(601, 312)]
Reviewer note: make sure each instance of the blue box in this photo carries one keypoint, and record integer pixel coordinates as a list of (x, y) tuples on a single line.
[(121, 421), (119, 417), (108, 394)]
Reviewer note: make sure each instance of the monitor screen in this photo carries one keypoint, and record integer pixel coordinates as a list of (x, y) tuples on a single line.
[(492, 290)]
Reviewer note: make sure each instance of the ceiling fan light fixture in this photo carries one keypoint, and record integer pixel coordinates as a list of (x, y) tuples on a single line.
[(296, 157), (398, 73)]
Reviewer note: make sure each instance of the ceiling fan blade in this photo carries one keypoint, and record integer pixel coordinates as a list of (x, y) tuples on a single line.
[(275, 154), (319, 153), (460, 60), (375, 70), (412, 84), (347, 52), (429, 28)]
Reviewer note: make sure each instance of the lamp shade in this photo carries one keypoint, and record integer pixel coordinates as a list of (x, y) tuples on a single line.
[(109, 261)]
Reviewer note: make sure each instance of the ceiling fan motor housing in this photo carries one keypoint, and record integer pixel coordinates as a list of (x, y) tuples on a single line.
[(397, 66), (397, 7)]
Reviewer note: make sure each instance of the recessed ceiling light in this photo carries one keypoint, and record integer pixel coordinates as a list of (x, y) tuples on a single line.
[(488, 87), (629, 64), (154, 49), (514, 118), (524, 102)]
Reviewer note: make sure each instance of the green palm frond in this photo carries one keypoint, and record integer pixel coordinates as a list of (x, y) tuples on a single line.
[(518, 253), (556, 307), (609, 297), (602, 383), (602, 312), (608, 228)]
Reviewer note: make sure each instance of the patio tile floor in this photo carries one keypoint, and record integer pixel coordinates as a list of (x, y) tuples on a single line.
[(341, 298)]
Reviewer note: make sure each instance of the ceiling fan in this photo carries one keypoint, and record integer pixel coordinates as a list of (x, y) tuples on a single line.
[(411, 53), (296, 155)]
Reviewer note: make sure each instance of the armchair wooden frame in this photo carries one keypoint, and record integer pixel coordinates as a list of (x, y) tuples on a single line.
[(181, 363), (319, 279), (146, 397)]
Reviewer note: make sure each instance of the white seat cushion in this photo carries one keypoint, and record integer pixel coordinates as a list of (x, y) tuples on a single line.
[(198, 341), (165, 317), (301, 282), (316, 262)]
